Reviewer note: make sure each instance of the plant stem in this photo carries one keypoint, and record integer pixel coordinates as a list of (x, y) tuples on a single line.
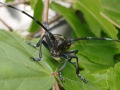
[(45, 14), (10, 28)]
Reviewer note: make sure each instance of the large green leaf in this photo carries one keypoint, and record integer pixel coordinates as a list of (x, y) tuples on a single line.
[(72, 81), (17, 71)]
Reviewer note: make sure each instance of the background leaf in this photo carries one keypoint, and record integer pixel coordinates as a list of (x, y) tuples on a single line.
[(113, 77), (111, 11), (9, 1), (37, 5), (90, 51), (71, 18), (92, 15)]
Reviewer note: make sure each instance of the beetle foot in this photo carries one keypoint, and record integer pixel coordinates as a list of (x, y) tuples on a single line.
[(32, 45), (61, 77), (82, 78), (35, 59)]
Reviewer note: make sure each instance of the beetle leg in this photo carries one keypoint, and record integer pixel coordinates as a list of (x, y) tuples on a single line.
[(74, 52), (71, 54), (77, 69), (35, 59), (60, 70), (39, 44), (33, 45)]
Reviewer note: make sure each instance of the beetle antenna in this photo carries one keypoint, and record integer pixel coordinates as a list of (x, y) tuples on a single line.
[(37, 21), (93, 38)]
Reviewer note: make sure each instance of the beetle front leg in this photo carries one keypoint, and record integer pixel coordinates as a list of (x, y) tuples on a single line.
[(33, 45), (39, 44)]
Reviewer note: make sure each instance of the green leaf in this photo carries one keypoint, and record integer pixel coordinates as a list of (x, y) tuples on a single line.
[(17, 71), (113, 77), (92, 12), (38, 8), (111, 11), (72, 81), (71, 18), (96, 53), (33, 3), (89, 49)]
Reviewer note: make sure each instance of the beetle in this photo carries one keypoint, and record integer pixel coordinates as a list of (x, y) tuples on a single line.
[(58, 45)]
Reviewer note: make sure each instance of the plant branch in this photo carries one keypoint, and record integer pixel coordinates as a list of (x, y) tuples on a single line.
[(55, 18), (45, 14), (10, 28), (56, 86)]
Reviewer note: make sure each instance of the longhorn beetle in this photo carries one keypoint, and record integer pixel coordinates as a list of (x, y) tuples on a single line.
[(58, 45)]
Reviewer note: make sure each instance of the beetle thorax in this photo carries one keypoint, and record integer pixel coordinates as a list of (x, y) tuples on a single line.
[(60, 45)]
